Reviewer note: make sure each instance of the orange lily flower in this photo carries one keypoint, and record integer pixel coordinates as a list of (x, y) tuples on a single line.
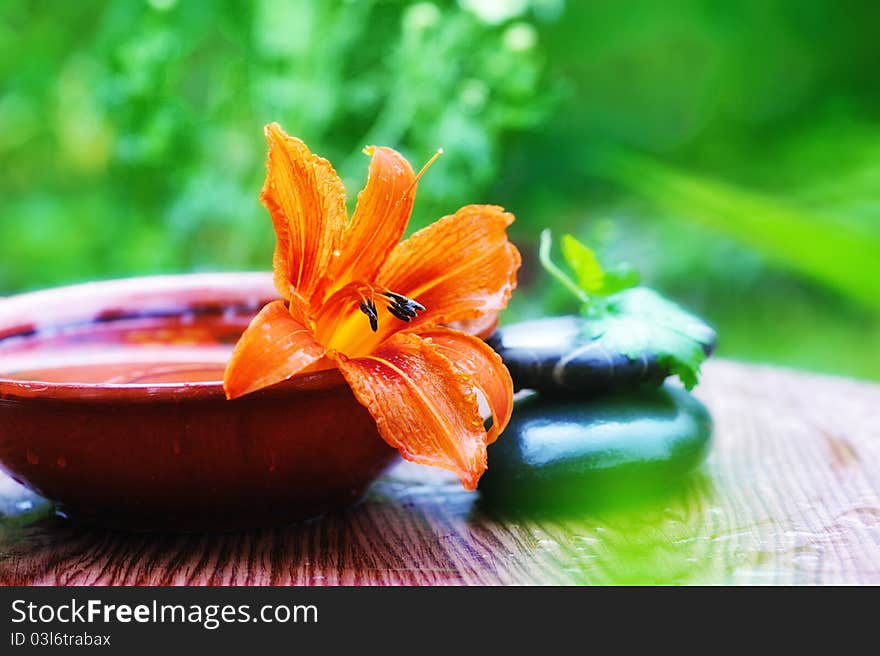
[(356, 298)]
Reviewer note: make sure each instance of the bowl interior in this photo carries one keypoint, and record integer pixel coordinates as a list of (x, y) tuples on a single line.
[(111, 405), (156, 331)]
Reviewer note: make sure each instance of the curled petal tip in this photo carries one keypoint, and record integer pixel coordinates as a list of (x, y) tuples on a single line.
[(469, 483), (271, 129)]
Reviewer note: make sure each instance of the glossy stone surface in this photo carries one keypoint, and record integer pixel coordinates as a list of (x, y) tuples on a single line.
[(558, 454), (558, 355)]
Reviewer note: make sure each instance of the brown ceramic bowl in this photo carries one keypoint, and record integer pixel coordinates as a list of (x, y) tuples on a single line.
[(111, 405)]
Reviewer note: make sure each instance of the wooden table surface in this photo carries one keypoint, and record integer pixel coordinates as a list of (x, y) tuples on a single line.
[(790, 494)]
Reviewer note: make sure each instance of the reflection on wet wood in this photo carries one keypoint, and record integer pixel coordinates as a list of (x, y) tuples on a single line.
[(790, 494)]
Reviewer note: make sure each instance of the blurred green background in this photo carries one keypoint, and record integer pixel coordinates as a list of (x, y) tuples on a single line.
[(731, 151)]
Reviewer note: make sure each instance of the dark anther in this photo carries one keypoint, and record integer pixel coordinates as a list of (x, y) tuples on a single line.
[(400, 313), (403, 302), (402, 309), (369, 308)]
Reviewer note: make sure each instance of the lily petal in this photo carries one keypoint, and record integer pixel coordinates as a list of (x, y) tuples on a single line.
[(460, 267), (482, 327), (379, 220), (422, 405), (479, 361), (306, 200), (274, 347)]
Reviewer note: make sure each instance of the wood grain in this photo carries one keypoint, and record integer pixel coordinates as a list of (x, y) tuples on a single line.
[(790, 494)]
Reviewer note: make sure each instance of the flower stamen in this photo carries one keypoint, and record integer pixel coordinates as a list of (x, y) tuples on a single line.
[(400, 307), (428, 164), (368, 307), (422, 172), (403, 308)]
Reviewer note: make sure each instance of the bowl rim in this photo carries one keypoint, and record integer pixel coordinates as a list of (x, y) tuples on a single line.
[(23, 315)]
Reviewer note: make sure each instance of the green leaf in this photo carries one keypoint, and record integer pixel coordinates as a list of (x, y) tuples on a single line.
[(639, 321), (634, 321), (582, 261), (622, 276), (590, 279), (550, 267)]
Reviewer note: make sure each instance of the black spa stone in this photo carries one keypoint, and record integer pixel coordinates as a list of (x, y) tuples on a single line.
[(560, 355), (559, 454)]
